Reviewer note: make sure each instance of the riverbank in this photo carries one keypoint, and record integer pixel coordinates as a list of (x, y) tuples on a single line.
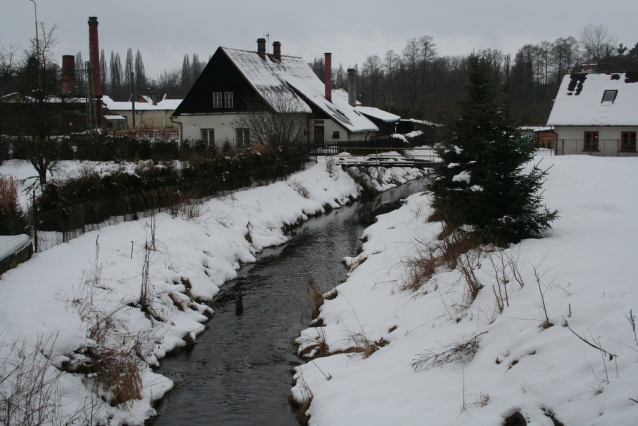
[(427, 355), (96, 305)]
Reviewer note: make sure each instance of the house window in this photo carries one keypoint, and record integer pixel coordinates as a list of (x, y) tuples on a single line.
[(609, 96), (228, 99), (217, 99), (335, 135), (242, 137), (208, 137), (628, 141), (591, 141)]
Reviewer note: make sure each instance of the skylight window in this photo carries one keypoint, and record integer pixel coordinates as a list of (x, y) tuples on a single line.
[(609, 96)]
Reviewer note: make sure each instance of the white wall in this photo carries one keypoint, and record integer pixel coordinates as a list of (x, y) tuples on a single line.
[(571, 139)]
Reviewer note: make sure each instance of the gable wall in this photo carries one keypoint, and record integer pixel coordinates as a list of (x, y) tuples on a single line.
[(219, 75)]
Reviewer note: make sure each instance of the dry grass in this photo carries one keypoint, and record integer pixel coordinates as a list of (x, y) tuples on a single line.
[(450, 353), (9, 205), (299, 188), (303, 406), (363, 345)]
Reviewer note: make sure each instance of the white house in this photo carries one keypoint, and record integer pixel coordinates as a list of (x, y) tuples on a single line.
[(596, 114), (233, 78), (149, 114)]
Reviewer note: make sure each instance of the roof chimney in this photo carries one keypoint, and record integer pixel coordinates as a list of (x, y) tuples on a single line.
[(68, 75), (261, 48), (328, 75), (276, 50), (352, 87), (94, 57)]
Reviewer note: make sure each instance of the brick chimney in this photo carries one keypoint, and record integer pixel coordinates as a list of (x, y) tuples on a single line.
[(328, 75), (352, 87), (261, 48), (276, 50), (94, 57), (68, 75)]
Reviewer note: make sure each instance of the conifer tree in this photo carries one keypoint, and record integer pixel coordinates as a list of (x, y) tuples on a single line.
[(480, 181)]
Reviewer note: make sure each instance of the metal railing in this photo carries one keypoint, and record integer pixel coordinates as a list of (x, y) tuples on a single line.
[(603, 148)]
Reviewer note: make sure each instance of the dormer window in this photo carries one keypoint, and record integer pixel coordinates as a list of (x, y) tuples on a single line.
[(609, 96)]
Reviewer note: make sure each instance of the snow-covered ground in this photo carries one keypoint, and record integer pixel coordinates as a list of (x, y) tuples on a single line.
[(40, 300), (588, 278), (586, 273)]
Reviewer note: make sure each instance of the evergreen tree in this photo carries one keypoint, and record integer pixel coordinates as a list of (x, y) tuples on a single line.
[(140, 74), (128, 69), (104, 72), (480, 181)]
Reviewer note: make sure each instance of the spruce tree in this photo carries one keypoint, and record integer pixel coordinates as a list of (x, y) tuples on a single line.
[(480, 181)]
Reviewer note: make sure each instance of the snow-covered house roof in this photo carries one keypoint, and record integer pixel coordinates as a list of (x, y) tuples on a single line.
[(163, 105), (596, 100), (290, 84), (377, 113)]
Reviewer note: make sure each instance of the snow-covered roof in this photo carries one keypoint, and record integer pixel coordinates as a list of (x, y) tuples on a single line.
[(115, 117), (579, 101), (377, 113), (163, 105), (535, 129), (288, 85), (424, 122)]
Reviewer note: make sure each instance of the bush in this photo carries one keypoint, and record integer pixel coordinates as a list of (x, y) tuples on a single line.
[(12, 218)]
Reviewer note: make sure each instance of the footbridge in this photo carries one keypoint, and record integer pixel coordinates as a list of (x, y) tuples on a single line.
[(422, 158)]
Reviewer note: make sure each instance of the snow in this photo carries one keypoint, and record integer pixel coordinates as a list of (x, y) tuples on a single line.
[(584, 107), (163, 105), (587, 276), (378, 114), (36, 298), (10, 244)]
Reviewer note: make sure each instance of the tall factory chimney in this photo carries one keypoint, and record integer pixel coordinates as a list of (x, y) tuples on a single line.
[(328, 75), (68, 75), (94, 57), (352, 87)]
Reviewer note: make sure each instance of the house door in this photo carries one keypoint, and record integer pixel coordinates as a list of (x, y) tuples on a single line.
[(319, 134)]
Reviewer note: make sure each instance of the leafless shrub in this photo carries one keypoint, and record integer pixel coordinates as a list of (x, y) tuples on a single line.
[(299, 188), (147, 293), (187, 206), (450, 353), (30, 393)]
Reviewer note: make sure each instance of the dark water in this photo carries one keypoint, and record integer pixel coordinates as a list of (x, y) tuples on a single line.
[(239, 371)]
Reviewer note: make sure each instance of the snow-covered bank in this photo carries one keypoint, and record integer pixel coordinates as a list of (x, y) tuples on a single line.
[(587, 276), (41, 300)]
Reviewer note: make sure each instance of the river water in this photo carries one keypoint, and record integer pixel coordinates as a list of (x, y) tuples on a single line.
[(239, 371)]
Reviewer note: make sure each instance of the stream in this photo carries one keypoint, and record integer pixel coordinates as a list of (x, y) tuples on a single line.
[(238, 373)]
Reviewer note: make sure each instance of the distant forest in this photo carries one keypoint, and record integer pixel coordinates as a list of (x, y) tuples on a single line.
[(417, 82)]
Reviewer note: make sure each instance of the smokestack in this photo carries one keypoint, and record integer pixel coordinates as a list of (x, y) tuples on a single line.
[(68, 75), (352, 87), (261, 48), (94, 57), (328, 75), (276, 50)]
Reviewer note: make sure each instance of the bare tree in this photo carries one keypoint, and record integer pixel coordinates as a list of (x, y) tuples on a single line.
[(597, 41), (274, 123)]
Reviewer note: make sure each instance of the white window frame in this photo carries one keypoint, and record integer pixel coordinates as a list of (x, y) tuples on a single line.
[(217, 99), (242, 137), (228, 99), (208, 136)]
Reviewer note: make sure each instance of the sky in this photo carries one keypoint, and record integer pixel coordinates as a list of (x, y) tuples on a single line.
[(351, 29)]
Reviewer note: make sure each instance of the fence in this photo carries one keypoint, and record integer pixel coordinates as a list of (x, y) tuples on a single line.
[(600, 148), (48, 229), (163, 134)]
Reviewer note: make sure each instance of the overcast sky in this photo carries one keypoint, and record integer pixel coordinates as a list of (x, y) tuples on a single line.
[(351, 29)]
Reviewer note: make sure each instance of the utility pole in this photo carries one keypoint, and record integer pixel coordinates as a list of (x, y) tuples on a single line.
[(37, 42)]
